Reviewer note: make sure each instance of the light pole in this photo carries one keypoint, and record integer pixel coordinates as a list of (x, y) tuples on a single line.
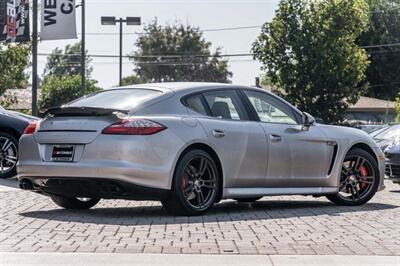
[(130, 21)]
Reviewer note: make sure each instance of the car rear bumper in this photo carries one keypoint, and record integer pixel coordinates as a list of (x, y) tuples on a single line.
[(141, 161), (92, 188)]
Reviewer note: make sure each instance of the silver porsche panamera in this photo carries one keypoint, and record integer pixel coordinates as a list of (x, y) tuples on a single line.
[(190, 145)]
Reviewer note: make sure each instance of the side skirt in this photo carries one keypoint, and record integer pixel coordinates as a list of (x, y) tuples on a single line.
[(276, 191)]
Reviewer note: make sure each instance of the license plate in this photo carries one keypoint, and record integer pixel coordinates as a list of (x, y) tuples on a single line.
[(63, 153)]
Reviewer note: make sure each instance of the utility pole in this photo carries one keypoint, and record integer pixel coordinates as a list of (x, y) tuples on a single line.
[(34, 57), (83, 51)]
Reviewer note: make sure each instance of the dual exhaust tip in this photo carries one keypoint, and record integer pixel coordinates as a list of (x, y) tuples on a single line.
[(26, 184)]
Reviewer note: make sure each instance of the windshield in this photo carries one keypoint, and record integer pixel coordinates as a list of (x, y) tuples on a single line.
[(121, 99), (388, 133)]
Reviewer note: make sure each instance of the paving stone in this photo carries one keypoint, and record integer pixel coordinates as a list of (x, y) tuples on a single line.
[(286, 225)]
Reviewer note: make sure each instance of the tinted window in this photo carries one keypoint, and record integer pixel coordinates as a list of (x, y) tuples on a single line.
[(194, 102), (123, 99), (225, 105), (269, 110)]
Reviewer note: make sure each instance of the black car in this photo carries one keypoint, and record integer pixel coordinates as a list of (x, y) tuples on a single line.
[(388, 139), (385, 136), (12, 126)]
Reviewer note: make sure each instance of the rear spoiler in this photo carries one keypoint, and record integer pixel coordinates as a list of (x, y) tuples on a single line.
[(82, 111)]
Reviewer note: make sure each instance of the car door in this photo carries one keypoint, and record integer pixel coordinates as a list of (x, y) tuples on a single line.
[(296, 157), (239, 142)]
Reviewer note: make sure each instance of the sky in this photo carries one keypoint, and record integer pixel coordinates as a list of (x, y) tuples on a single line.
[(206, 14)]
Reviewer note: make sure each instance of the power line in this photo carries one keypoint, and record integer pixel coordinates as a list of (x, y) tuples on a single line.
[(380, 45), (205, 30), (142, 33), (181, 55), (157, 56)]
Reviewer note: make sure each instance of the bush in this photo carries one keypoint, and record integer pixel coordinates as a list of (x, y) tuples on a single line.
[(59, 90)]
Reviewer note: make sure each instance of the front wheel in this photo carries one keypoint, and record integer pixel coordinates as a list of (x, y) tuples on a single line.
[(359, 179), (195, 185), (74, 203)]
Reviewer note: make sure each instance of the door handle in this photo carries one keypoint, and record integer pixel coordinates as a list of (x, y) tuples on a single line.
[(275, 138), (218, 133)]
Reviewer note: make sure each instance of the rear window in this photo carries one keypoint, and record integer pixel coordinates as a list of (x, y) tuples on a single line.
[(122, 99)]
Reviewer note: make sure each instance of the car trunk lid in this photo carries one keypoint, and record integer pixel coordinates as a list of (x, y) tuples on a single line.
[(75, 125)]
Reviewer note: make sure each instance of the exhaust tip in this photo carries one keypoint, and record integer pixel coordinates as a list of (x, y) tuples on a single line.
[(26, 184)]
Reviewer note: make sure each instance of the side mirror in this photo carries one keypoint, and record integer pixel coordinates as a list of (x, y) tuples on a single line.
[(308, 120)]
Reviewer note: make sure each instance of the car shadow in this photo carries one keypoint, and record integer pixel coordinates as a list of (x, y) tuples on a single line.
[(224, 211), (11, 182)]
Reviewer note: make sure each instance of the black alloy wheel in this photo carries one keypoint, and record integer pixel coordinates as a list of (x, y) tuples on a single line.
[(8, 155), (195, 185), (359, 179)]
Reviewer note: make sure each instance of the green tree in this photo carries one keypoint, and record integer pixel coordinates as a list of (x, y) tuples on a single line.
[(177, 53), (384, 28), (58, 90), (14, 59), (132, 79), (309, 53), (67, 62)]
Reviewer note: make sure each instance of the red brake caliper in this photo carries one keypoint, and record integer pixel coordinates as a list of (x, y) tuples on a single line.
[(363, 172), (184, 181)]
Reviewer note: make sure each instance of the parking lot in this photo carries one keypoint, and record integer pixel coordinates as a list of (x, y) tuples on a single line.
[(275, 225)]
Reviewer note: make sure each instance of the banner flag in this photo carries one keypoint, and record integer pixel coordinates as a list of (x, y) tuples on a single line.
[(58, 20), (14, 21)]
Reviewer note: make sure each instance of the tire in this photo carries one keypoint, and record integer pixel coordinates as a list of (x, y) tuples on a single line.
[(74, 203), (10, 152), (188, 182), (367, 193), (248, 199)]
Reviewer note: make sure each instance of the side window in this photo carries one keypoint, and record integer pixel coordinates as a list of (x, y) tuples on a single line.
[(194, 102), (226, 104), (269, 110)]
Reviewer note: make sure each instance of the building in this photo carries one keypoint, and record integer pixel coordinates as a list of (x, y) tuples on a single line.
[(371, 111)]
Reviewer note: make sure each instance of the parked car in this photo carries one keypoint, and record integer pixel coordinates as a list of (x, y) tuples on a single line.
[(386, 136), (388, 139), (392, 154), (12, 125), (190, 145)]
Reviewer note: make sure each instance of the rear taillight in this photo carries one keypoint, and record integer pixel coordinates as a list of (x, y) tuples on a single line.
[(134, 127), (30, 129)]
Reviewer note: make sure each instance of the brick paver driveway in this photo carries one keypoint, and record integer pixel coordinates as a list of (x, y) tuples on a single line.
[(274, 225)]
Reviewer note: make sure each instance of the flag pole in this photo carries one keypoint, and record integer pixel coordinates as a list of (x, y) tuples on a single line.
[(83, 51), (34, 57)]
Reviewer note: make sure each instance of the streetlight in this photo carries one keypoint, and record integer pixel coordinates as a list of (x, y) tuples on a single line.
[(111, 21)]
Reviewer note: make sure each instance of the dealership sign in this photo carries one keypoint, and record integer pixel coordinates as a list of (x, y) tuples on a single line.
[(58, 20), (14, 21)]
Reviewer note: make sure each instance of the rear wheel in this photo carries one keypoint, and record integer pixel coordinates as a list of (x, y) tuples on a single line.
[(74, 203), (195, 185), (359, 179), (8, 155), (248, 199)]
